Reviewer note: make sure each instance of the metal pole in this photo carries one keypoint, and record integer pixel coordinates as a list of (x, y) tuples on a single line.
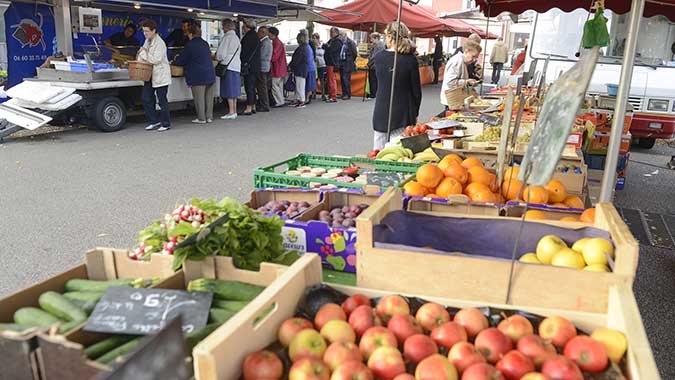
[(487, 34), (393, 73), (609, 176), (64, 31)]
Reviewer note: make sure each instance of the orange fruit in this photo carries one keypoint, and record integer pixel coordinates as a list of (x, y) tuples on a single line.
[(536, 195), (449, 186), (569, 219), (574, 202), (535, 215), (449, 159), (510, 189), (500, 198), (415, 189), (558, 204), (511, 172), (471, 162), (457, 171), (493, 183), (429, 175), (432, 195), (556, 191), (474, 187), (483, 196), (588, 216), (480, 175)]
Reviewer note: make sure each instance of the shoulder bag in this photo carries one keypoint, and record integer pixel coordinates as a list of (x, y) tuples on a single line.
[(222, 69)]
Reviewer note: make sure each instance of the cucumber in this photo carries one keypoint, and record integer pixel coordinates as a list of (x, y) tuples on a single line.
[(82, 285), (226, 290), (59, 306), (196, 336), (98, 349), (84, 296), (229, 305), (68, 326), (34, 317), (220, 316), (14, 327), (86, 306), (118, 351)]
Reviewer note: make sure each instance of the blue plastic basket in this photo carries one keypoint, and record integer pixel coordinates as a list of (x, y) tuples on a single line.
[(612, 89), (82, 67)]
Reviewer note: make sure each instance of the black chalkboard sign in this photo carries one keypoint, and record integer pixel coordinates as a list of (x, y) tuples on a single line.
[(416, 143), (125, 310)]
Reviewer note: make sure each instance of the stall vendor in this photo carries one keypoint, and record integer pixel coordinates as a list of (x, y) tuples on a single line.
[(179, 37), (124, 44)]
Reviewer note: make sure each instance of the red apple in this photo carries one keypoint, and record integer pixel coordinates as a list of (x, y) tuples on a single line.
[(514, 365), (516, 327), (561, 368), (341, 352), (404, 376), (352, 371), (328, 312), (338, 331), (586, 352), (535, 376), (374, 338), (537, 349), (354, 301), (307, 343), (558, 330), (436, 367), (449, 334), (473, 321), (290, 327), (493, 344), (431, 315), (386, 363), (403, 326), (363, 318), (309, 369), (482, 371), (390, 306), (263, 365), (463, 355), (418, 347)]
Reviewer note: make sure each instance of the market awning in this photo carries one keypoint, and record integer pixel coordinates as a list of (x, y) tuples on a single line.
[(253, 8), (290, 10), (378, 13), (493, 8)]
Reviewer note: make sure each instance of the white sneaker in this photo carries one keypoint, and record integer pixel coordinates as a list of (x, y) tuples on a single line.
[(162, 129), (197, 121), (209, 120), (229, 116), (153, 126)]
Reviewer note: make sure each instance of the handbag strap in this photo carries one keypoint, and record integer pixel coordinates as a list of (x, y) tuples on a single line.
[(231, 58)]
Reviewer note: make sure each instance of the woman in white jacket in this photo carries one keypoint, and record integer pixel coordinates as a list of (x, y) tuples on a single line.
[(456, 72), (154, 52), (228, 54)]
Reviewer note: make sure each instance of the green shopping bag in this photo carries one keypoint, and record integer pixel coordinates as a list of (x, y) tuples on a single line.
[(595, 31)]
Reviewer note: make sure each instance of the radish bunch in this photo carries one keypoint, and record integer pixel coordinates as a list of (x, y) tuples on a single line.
[(170, 245), (190, 214)]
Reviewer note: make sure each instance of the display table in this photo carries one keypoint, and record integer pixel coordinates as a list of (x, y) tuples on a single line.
[(359, 80)]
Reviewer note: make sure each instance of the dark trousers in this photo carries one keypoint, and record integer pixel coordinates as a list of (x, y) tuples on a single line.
[(249, 86), (263, 85), (149, 103), (323, 79), (437, 67), (496, 71), (372, 79), (346, 79)]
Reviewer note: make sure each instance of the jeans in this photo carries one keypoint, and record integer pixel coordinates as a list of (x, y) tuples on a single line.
[(437, 67), (372, 79), (203, 99), (332, 83), (263, 84), (346, 82), (278, 91), (323, 80), (496, 71), (249, 86), (149, 103)]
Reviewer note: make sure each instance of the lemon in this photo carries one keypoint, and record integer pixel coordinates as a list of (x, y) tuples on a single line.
[(597, 268), (568, 258), (596, 248), (548, 246), (529, 258)]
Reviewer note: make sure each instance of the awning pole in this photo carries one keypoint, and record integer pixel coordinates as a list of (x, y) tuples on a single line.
[(393, 74), (609, 176), (487, 34)]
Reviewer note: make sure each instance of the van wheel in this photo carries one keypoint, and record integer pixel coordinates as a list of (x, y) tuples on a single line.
[(110, 114), (646, 143)]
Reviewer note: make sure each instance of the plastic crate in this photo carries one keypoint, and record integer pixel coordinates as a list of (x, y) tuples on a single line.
[(400, 167)]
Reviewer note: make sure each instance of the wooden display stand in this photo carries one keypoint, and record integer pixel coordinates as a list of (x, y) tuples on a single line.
[(483, 278), (245, 333)]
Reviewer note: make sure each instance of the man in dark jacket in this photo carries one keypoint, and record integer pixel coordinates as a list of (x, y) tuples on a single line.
[(250, 63), (348, 55), (438, 57), (332, 56), (377, 45)]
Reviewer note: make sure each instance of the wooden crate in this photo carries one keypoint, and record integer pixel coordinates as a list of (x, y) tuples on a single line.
[(459, 204), (17, 350), (62, 357), (244, 335), (483, 278)]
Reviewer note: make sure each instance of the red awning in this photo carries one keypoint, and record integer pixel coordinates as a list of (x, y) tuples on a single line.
[(493, 8), (422, 22)]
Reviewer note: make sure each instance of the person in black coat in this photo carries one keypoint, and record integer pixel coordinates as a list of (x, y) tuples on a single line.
[(332, 56), (438, 57), (250, 63), (407, 90), (299, 66), (200, 74), (348, 56)]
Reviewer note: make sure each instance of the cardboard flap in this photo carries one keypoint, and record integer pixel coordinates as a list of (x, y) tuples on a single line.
[(56, 350)]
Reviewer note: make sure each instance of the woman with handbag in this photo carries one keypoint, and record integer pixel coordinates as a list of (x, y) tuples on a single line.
[(199, 73), (229, 65), (456, 75), (300, 67), (153, 51)]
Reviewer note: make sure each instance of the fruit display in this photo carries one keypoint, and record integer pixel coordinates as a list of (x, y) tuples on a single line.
[(344, 216), (337, 174), (284, 208), (589, 254), (493, 134), (415, 130), (401, 154), (397, 338)]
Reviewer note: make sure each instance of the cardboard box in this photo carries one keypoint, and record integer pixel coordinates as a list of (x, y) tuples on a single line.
[(17, 350), (260, 197), (244, 335), (62, 357)]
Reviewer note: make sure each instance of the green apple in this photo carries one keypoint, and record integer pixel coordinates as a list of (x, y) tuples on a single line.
[(548, 246)]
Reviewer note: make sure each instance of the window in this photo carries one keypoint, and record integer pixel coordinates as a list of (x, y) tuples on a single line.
[(658, 105)]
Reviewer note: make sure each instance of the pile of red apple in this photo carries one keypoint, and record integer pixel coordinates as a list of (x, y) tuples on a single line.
[(350, 342)]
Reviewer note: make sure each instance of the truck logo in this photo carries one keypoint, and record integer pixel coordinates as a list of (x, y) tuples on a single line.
[(28, 32)]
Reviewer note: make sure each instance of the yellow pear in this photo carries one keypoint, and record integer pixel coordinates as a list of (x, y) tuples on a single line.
[(614, 341), (597, 268), (529, 258), (568, 258), (548, 246), (579, 244), (596, 248)]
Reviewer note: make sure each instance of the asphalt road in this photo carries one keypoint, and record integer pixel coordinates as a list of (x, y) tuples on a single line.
[(64, 193)]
